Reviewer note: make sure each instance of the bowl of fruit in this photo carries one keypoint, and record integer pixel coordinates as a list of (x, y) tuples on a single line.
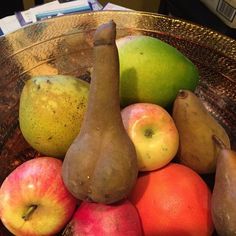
[(117, 123)]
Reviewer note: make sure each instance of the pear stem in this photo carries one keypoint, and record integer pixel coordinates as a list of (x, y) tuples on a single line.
[(219, 143), (29, 212), (182, 94)]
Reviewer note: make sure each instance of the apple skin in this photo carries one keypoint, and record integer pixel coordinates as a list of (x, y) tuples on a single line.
[(153, 132), (98, 219), (36, 182)]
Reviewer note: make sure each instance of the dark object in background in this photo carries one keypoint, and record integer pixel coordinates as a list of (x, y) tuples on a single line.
[(38, 2), (195, 11), (10, 7)]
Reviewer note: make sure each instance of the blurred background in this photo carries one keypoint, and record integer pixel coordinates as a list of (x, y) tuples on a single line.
[(191, 10), (142, 5)]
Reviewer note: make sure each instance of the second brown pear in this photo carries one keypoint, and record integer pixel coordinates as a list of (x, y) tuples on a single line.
[(101, 164), (224, 193), (196, 128)]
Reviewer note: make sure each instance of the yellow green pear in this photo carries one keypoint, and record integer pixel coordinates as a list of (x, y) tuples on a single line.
[(51, 112), (153, 71)]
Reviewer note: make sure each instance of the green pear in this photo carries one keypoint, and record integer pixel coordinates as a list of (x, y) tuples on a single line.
[(153, 71), (51, 112)]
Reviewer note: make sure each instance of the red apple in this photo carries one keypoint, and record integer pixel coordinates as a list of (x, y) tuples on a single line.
[(105, 220), (34, 199), (153, 132)]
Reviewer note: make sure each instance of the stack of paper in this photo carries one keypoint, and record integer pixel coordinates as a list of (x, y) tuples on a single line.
[(45, 11), (49, 10), (113, 7), (9, 24), (52, 9)]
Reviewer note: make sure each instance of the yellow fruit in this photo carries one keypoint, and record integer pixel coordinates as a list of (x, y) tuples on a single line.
[(153, 71), (51, 112)]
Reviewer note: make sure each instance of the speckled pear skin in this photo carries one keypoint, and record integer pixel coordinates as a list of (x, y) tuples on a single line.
[(51, 112)]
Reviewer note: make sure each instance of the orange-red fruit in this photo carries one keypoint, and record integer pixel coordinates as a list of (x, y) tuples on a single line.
[(173, 201)]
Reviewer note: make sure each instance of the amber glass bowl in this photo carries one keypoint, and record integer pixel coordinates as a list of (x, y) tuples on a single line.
[(63, 45)]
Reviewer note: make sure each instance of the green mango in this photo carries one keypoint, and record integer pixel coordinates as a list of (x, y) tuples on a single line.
[(153, 71)]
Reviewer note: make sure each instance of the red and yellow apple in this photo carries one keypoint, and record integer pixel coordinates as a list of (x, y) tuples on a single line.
[(34, 199), (153, 132)]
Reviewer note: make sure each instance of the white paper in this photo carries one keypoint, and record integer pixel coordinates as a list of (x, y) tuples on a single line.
[(51, 9), (111, 6), (9, 24), (56, 8), (47, 10), (96, 6), (26, 16)]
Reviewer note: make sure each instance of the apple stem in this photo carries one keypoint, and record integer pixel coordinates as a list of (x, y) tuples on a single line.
[(29, 212)]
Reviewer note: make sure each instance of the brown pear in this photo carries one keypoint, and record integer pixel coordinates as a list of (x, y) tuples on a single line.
[(101, 163), (196, 126), (224, 193)]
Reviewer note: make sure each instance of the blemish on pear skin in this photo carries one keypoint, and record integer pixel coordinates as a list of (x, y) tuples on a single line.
[(107, 196), (165, 149)]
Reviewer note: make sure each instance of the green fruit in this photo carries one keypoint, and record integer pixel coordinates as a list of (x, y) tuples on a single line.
[(51, 112), (153, 71)]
